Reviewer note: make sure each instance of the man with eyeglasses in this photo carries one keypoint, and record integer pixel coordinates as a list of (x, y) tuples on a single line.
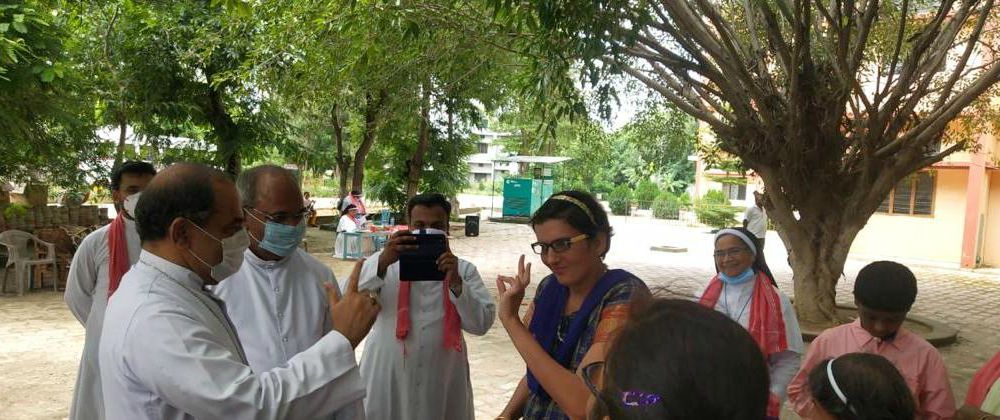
[(276, 300), (416, 363)]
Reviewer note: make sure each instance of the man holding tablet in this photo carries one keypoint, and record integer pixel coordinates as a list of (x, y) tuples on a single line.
[(415, 362)]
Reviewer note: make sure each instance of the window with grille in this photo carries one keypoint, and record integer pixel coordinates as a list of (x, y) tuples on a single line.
[(735, 191), (913, 195), (483, 147)]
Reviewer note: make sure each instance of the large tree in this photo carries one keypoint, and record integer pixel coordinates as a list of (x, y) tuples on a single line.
[(46, 131), (829, 101)]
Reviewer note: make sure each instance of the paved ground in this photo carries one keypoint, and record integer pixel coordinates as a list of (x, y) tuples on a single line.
[(40, 341)]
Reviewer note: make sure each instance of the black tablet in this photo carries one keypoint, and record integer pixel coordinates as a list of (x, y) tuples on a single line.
[(421, 264)]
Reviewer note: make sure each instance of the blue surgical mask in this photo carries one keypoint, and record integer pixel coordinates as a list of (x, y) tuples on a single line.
[(743, 277), (281, 239)]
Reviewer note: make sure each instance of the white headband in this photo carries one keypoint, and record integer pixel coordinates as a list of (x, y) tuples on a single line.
[(833, 383), (746, 239)]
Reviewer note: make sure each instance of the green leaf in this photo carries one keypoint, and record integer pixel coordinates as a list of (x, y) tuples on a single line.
[(48, 75), (4, 27), (18, 26)]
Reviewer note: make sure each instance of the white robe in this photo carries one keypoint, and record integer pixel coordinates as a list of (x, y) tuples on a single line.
[(279, 309), (173, 354), (430, 382), (346, 225), (87, 297), (735, 303)]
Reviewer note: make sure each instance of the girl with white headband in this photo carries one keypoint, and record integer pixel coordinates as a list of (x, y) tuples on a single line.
[(860, 386), (744, 290)]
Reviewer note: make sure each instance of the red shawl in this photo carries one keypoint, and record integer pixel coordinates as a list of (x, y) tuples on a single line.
[(452, 322), (983, 381), (117, 253)]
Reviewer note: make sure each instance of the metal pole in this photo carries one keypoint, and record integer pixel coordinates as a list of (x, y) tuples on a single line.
[(493, 183)]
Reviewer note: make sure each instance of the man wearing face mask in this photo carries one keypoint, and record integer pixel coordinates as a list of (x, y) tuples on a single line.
[(173, 353), (276, 300), (98, 266)]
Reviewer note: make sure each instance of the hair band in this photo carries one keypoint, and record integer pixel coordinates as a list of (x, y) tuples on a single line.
[(746, 239), (833, 383), (578, 203)]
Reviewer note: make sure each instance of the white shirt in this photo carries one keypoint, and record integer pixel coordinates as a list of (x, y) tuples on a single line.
[(173, 354), (279, 309), (87, 297), (341, 244), (429, 382), (756, 221), (735, 303)]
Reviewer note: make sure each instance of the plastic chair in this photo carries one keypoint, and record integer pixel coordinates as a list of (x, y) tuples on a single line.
[(352, 245), (379, 241), (22, 253)]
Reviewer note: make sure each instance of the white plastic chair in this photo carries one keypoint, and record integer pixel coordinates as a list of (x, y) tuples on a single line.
[(22, 254)]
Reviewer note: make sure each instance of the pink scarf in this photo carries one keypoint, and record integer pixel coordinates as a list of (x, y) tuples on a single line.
[(766, 326), (118, 253), (452, 322)]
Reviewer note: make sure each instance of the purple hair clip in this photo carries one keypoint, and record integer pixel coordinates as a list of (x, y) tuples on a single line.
[(639, 398)]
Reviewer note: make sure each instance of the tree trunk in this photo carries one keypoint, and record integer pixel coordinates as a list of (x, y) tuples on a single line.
[(120, 150), (343, 160), (373, 108), (818, 241), (818, 265), (226, 131), (423, 141)]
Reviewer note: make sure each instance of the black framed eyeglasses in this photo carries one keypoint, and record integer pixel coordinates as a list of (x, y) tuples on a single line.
[(281, 217), (558, 245), (731, 252)]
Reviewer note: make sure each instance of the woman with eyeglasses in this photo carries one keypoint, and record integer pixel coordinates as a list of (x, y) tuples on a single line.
[(744, 290), (675, 359), (860, 386), (575, 310)]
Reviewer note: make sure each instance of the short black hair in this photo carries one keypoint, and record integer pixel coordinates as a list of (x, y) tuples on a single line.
[(131, 167), (188, 194), (873, 387), (700, 363), (347, 209), (573, 215), (886, 286), (428, 200), (355, 192)]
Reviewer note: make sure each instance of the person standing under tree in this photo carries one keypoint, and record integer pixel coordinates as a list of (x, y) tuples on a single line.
[(755, 219)]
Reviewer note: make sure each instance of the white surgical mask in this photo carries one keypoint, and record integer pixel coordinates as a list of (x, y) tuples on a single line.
[(233, 248), (130, 203)]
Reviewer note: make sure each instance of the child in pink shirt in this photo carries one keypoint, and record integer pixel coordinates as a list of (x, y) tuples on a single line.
[(884, 291)]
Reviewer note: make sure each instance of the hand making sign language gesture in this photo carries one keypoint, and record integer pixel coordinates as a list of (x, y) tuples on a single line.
[(353, 314), (511, 292)]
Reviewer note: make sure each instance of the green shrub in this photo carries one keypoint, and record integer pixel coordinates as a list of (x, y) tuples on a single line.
[(645, 193), (666, 206), (714, 210), (620, 200), (715, 197)]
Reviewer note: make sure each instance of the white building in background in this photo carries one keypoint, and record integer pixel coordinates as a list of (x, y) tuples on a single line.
[(488, 148)]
